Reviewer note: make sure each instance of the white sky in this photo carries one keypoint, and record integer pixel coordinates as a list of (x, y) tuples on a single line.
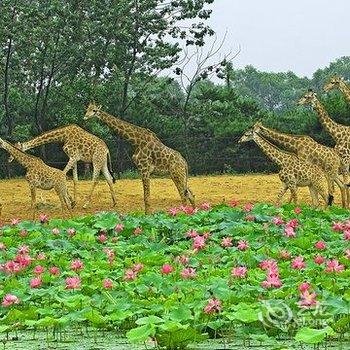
[(282, 35)]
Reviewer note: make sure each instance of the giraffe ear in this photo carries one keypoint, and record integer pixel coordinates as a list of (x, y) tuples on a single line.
[(99, 107)]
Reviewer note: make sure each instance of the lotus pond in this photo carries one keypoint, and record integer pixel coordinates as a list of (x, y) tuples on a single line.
[(212, 278)]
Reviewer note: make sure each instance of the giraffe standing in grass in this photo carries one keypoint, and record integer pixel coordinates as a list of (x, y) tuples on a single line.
[(338, 82), (150, 154), (340, 133), (308, 149), (79, 145), (40, 175), (294, 172)]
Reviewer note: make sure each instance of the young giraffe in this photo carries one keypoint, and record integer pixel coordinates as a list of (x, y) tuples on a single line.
[(308, 149), (150, 154), (294, 172), (340, 133), (338, 82), (40, 175), (78, 144)]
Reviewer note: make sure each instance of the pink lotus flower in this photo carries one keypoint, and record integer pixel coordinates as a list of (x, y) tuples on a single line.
[(130, 275), (54, 271), (55, 231), (268, 264), (297, 210), (15, 222), (271, 281), (73, 282), (250, 218), (298, 263), (41, 256), (12, 267), (304, 286), (2, 246), (338, 226), (102, 238), (334, 266), (24, 249), (205, 206), (242, 245), (248, 207), (347, 254), (119, 227), (110, 255), (213, 306), (233, 203), (107, 283), (284, 254), (198, 242), (36, 282), (320, 245), (38, 269), (23, 233), (71, 232), (226, 242), (137, 231), (289, 231), (191, 234), (188, 210), (319, 259), (239, 272), (346, 235), (183, 259), (43, 218), (294, 223), (277, 221), (308, 299), (188, 272), (206, 235), (173, 211), (76, 265), (23, 259), (9, 299), (167, 269), (138, 267)]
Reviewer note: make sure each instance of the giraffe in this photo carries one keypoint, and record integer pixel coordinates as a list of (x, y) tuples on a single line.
[(294, 172), (308, 149), (338, 82), (340, 133), (78, 144), (40, 175), (150, 154)]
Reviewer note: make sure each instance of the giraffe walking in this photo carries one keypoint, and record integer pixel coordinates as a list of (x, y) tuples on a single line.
[(79, 145), (308, 149), (338, 82), (340, 133), (293, 173), (40, 175), (150, 154)]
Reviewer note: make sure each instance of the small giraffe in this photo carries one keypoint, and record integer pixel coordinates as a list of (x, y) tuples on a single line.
[(294, 172), (150, 154), (40, 175), (78, 144), (338, 82), (340, 133), (308, 149)]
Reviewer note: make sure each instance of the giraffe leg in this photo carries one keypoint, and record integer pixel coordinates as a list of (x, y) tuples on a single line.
[(146, 191), (72, 164), (109, 180), (330, 184), (342, 189), (281, 194), (33, 200), (346, 183), (314, 196), (95, 175), (181, 187)]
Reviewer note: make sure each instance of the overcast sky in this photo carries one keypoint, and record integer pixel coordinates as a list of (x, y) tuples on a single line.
[(282, 35)]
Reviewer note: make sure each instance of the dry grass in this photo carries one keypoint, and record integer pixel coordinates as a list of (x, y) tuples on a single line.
[(15, 197)]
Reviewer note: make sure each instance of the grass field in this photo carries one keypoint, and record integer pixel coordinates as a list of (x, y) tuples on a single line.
[(15, 196)]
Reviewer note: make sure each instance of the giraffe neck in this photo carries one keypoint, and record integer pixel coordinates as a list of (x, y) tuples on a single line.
[(132, 133), (55, 135), (276, 155), (327, 122), (288, 141), (345, 89), (24, 159)]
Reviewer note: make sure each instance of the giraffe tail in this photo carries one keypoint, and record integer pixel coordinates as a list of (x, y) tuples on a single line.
[(110, 167), (330, 199)]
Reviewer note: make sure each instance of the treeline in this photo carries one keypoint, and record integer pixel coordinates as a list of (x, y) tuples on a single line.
[(57, 55)]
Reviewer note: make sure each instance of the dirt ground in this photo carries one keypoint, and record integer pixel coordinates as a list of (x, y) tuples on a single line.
[(15, 196)]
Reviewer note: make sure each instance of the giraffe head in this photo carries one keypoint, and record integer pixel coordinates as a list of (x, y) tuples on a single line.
[(333, 83), (257, 127), (92, 110), (247, 136), (17, 145), (309, 98)]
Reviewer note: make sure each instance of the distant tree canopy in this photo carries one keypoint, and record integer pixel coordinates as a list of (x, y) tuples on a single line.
[(56, 56)]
